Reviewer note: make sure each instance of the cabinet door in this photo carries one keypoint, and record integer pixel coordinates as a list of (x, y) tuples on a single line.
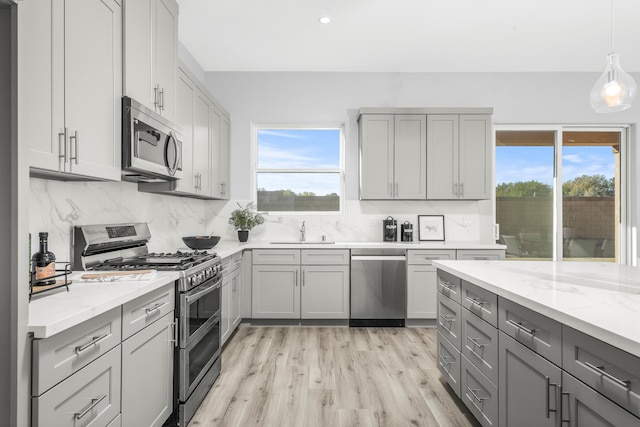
[(139, 26), (583, 406), (236, 300), (325, 292), (216, 185), (147, 374), (225, 315), (275, 292), (528, 387), (421, 292), (185, 93), (201, 141), (376, 156), (93, 86), (410, 157), (225, 158), (475, 157), (442, 157), (166, 50)]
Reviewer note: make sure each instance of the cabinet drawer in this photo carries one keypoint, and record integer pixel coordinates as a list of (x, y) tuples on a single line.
[(583, 406), (449, 321), (449, 363), (480, 345), (484, 254), (276, 256), (325, 257), (231, 263), (480, 302), (427, 256), (59, 356), (145, 310), (607, 369), (449, 285), (479, 394), (533, 330), (91, 396)]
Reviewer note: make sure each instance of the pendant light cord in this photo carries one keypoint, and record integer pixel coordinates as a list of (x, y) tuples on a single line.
[(612, 35)]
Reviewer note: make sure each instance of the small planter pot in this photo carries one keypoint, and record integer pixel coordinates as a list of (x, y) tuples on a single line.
[(243, 235)]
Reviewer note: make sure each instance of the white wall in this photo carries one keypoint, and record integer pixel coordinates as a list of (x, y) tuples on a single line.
[(288, 97)]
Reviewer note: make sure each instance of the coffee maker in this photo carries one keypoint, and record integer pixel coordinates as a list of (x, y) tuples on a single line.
[(406, 232), (389, 229)]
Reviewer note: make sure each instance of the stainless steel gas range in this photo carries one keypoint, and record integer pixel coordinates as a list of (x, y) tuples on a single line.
[(197, 357)]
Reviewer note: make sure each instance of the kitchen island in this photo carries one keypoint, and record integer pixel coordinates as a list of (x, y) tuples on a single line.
[(539, 343)]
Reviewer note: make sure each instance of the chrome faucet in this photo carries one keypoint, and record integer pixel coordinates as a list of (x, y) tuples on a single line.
[(302, 233)]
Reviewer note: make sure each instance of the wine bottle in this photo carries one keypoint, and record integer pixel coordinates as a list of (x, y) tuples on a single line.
[(43, 262)]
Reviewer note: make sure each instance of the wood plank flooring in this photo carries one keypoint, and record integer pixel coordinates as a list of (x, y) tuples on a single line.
[(331, 376)]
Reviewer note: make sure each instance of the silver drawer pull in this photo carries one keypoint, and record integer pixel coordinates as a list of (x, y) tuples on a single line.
[(94, 341), (473, 392), (446, 284), (446, 364), (475, 342), (476, 301), (155, 307), (601, 371), (447, 318), (519, 326), (94, 402)]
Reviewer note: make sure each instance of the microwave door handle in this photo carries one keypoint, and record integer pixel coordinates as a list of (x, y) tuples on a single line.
[(172, 168)]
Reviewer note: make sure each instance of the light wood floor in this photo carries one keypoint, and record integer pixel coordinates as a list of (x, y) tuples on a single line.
[(331, 376)]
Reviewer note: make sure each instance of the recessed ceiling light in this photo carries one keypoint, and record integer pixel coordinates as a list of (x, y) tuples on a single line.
[(324, 20)]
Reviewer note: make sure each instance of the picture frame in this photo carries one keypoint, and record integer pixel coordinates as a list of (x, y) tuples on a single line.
[(431, 227)]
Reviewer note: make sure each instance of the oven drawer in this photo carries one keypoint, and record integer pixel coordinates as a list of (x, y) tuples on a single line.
[(91, 396), (449, 320), (480, 345), (449, 285), (143, 311), (480, 302), (607, 369), (449, 363), (59, 356), (276, 256), (535, 331)]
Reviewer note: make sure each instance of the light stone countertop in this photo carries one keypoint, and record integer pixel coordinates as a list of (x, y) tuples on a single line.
[(599, 299), (58, 310)]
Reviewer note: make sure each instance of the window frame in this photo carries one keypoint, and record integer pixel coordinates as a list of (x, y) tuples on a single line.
[(255, 127), (627, 252)]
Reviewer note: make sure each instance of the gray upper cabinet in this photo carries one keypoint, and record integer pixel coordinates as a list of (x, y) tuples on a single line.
[(459, 156), (150, 53), (393, 151), (72, 76)]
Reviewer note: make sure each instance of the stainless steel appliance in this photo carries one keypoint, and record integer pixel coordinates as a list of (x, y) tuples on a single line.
[(389, 229), (151, 150), (378, 287), (198, 296)]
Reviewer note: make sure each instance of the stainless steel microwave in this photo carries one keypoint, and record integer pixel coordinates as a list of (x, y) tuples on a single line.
[(151, 148)]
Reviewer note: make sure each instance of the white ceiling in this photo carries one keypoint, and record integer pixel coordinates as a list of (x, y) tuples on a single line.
[(409, 35)]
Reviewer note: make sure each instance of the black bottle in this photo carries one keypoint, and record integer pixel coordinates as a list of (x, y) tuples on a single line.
[(43, 263)]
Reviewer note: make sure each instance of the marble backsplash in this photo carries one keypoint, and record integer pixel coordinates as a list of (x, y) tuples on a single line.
[(57, 206)]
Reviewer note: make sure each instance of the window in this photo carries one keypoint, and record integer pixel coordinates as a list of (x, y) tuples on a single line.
[(559, 193), (299, 169)]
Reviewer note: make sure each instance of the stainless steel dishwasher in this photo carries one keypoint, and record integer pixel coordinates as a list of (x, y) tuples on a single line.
[(378, 287)]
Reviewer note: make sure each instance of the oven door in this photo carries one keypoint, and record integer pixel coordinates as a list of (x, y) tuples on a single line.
[(199, 309), (197, 358)]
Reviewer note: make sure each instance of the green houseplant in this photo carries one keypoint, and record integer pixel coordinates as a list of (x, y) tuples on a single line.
[(244, 219)]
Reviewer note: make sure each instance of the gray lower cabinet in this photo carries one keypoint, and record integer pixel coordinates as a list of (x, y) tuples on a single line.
[(147, 374), (583, 406), (529, 386), (325, 292), (479, 394), (275, 292), (231, 301), (422, 282)]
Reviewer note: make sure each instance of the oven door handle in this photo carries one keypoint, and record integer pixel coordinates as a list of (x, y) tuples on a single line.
[(189, 298)]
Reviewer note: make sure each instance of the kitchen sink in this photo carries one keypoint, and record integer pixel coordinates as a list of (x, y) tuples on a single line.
[(306, 242)]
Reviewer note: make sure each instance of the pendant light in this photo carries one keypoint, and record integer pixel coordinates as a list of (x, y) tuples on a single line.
[(615, 89)]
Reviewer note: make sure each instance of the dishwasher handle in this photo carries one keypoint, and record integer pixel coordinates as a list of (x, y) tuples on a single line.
[(378, 258)]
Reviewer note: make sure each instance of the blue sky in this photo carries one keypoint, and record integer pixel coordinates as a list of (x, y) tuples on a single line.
[(299, 149), (515, 164)]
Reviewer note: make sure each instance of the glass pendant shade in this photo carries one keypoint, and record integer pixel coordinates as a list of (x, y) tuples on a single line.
[(614, 90)]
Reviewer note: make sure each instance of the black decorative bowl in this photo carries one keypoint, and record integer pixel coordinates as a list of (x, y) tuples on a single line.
[(201, 242)]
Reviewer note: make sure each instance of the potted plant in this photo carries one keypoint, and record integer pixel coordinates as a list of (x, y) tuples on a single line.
[(244, 219)]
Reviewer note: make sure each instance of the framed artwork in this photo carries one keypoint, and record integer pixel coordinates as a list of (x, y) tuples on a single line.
[(430, 227)]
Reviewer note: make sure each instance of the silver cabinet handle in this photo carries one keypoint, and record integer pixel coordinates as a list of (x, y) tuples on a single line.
[(94, 341), (476, 301), (156, 97), (518, 326), (94, 402), (156, 307), (173, 331), (564, 420), (548, 406), (162, 99), (62, 139), (601, 370), (461, 189), (75, 143), (303, 274), (447, 319), (473, 392), (296, 278), (448, 287), (455, 189), (391, 190), (446, 364), (397, 190), (475, 342)]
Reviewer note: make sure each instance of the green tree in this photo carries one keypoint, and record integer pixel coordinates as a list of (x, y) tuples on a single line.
[(589, 186), (307, 193), (523, 189)]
